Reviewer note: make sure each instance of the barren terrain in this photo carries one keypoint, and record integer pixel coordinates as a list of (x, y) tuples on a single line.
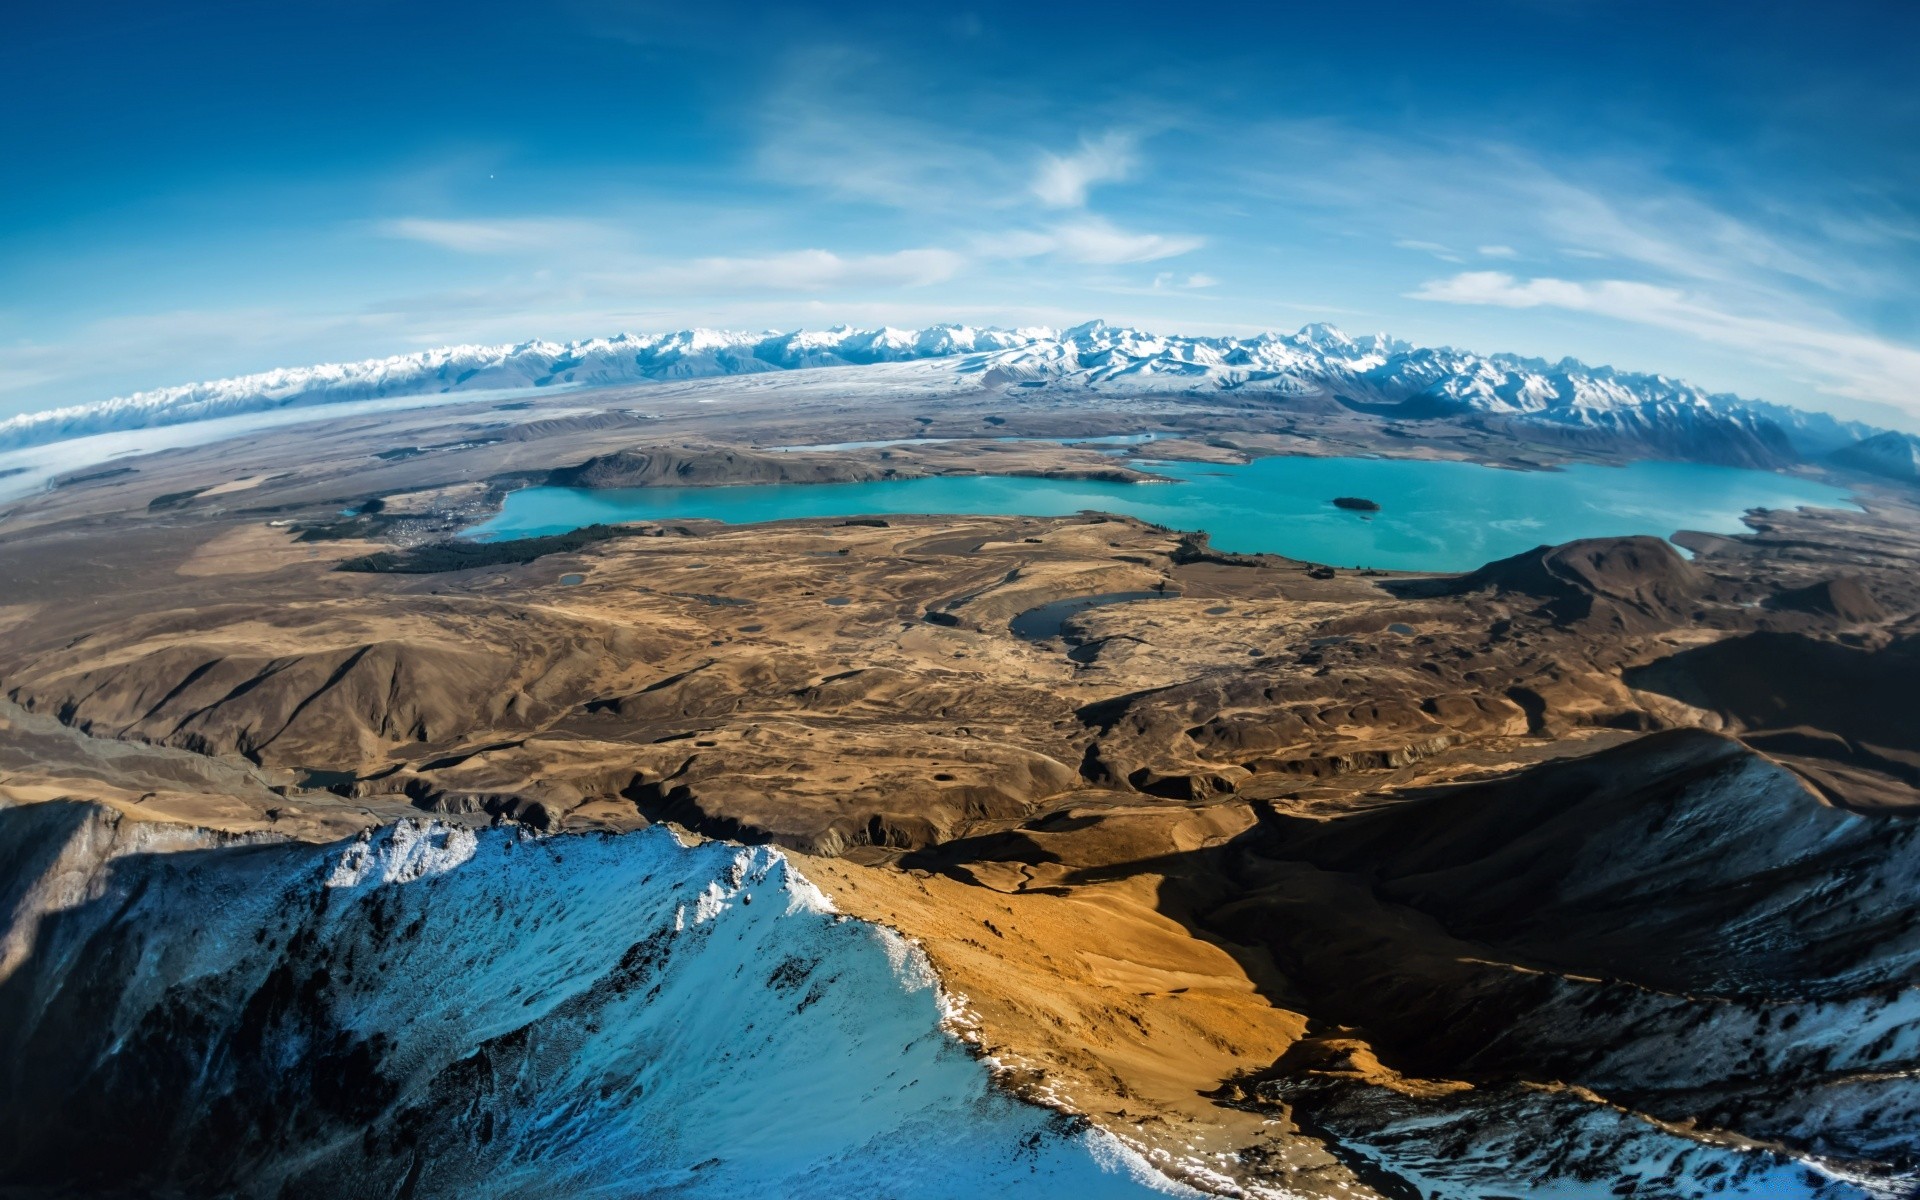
[(1284, 878)]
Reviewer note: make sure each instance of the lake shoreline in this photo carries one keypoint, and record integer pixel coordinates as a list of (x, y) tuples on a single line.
[(1438, 515)]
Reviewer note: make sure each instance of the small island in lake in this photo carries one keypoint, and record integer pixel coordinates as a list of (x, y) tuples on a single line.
[(1356, 503)]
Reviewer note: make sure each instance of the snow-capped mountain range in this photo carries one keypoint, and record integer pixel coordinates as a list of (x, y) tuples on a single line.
[(1316, 365)]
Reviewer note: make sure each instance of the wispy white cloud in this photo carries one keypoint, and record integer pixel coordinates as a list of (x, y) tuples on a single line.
[(879, 161), (1090, 240), (1834, 360), (1760, 289), (1063, 180), (616, 258), (829, 124), (850, 156), (1100, 242), (1438, 249), (1675, 232), (1436, 194), (805, 271), (1182, 286), (506, 235)]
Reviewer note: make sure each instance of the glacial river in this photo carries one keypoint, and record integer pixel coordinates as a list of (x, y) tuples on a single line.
[(1434, 516)]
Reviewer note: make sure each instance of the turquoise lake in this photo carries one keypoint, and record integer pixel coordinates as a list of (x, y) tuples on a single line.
[(1435, 516)]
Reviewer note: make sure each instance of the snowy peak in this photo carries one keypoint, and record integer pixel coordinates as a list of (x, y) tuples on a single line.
[(1325, 336), (1370, 373)]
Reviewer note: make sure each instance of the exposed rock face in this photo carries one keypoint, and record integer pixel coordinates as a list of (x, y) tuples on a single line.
[(53, 859)]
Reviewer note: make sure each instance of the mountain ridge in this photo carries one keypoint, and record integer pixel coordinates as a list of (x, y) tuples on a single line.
[(1373, 373)]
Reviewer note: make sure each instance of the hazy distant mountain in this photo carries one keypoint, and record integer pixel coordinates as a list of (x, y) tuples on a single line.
[(1894, 455), (628, 358), (1319, 364), (1813, 434)]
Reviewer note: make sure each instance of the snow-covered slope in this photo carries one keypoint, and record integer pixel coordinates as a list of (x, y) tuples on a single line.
[(438, 1012), (1319, 363)]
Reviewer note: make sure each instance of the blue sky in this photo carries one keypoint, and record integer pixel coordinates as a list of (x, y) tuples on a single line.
[(1725, 192)]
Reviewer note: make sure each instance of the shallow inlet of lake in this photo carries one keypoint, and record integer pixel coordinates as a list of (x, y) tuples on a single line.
[(1434, 516)]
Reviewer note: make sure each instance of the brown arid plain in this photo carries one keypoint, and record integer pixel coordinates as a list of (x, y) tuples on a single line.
[(1233, 870)]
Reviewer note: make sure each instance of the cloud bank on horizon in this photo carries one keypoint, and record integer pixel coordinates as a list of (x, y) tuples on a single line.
[(1730, 194)]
